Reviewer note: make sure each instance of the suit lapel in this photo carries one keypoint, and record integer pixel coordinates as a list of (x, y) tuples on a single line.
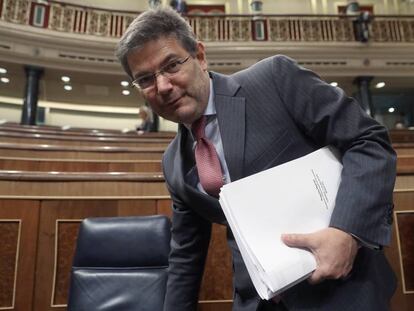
[(231, 119)]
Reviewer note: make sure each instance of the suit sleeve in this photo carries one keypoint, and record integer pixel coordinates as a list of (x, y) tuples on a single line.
[(190, 238), (325, 114)]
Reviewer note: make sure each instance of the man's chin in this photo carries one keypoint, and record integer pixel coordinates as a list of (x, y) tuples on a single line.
[(185, 115)]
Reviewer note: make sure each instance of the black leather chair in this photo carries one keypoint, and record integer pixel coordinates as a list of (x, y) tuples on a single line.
[(120, 264)]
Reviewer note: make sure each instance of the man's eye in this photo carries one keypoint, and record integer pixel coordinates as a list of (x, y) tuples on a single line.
[(171, 67), (145, 80)]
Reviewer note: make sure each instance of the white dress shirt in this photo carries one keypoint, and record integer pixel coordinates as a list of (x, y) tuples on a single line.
[(212, 133)]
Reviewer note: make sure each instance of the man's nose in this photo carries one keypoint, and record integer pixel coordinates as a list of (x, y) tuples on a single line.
[(163, 84)]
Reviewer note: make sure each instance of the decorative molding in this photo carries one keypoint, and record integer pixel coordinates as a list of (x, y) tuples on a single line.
[(55, 263), (215, 301), (399, 63), (340, 63), (400, 251), (16, 262), (230, 46), (90, 58)]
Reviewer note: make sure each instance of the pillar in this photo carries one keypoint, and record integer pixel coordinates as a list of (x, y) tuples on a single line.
[(363, 83), (33, 75)]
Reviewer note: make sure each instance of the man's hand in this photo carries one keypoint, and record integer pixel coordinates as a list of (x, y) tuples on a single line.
[(334, 251)]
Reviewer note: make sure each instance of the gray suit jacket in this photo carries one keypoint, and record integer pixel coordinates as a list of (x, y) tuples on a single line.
[(271, 113)]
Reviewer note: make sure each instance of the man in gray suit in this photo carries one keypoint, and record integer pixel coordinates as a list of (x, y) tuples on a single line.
[(270, 113)]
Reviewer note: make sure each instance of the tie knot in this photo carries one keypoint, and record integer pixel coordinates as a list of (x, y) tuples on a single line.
[(198, 127)]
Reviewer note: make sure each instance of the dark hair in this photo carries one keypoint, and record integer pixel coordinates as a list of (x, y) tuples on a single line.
[(152, 25)]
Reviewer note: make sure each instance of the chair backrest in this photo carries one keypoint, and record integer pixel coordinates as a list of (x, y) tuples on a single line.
[(120, 264)]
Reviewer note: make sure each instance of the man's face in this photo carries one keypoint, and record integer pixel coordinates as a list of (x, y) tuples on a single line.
[(182, 97)]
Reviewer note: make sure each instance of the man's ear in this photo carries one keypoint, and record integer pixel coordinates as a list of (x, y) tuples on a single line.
[(201, 55)]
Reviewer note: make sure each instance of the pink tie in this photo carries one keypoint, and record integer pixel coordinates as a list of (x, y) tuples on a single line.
[(207, 161)]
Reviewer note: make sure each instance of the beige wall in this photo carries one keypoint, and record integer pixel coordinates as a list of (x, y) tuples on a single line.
[(113, 118), (11, 113)]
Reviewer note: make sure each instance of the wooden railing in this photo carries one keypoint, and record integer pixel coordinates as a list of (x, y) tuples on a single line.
[(69, 18)]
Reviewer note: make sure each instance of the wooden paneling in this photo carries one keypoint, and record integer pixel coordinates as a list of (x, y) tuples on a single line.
[(10, 235), (405, 164), (402, 136), (217, 279), (80, 152), (404, 202), (215, 306), (66, 234), (19, 138), (57, 236), (42, 129), (405, 230), (26, 214), (82, 187), (404, 183), (49, 222), (68, 165), (164, 208), (404, 150)]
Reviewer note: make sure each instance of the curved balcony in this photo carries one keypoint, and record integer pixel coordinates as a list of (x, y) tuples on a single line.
[(58, 34), (69, 18)]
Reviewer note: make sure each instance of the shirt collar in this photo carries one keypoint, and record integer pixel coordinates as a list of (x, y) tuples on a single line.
[(211, 108)]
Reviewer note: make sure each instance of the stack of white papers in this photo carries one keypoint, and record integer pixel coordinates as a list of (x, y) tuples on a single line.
[(295, 197)]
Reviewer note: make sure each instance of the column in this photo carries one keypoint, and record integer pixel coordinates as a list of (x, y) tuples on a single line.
[(155, 123), (33, 75), (258, 23), (365, 97)]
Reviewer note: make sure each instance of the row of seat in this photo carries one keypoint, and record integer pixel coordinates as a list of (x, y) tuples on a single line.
[(50, 189), (47, 205), (70, 131)]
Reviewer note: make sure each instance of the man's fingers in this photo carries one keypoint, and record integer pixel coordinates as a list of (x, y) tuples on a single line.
[(315, 278), (332, 273), (334, 252), (296, 240)]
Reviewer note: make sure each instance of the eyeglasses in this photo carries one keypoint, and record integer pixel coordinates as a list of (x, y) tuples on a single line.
[(147, 81)]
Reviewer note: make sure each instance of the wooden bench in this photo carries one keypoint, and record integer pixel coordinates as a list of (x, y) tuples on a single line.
[(80, 152), (29, 138), (404, 148), (34, 183), (401, 251), (405, 164), (73, 165), (54, 130), (402, 136)]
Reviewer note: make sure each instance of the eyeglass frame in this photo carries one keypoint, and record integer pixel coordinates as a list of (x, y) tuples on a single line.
[(161, 71)]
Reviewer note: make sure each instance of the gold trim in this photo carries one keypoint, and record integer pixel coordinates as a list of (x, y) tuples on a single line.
[(404, 190), (16, 265), (216, 301), (79, 160), (142, 197), (52, 304), (405, 291), (200, 302)]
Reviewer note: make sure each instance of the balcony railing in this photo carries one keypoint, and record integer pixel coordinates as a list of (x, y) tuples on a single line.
[(69, 18)]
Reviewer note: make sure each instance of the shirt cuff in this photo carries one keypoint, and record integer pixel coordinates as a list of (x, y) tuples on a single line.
[(361, 242)]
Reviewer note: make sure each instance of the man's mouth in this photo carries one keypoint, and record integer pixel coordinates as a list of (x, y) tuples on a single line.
[(174, 101)]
